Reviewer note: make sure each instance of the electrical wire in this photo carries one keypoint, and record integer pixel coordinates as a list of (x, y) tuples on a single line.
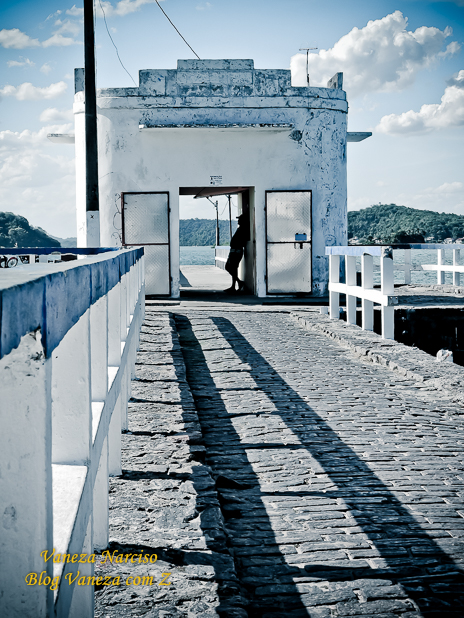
[(223, 210), (111, 38), (164, 13)]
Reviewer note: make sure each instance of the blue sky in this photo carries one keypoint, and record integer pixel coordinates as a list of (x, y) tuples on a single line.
[(403, 67)]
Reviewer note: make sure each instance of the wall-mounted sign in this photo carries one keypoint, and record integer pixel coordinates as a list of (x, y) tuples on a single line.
[(215, 180)]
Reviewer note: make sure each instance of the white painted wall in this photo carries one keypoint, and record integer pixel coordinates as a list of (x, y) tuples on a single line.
[(222, 99)]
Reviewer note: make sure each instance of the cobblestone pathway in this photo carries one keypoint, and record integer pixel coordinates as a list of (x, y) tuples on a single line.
[(281, 476)]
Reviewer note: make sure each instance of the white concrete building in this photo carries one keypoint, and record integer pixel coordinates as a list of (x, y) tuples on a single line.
[(216, 127)]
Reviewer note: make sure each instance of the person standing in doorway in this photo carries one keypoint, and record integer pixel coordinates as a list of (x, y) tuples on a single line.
[(237, 245)]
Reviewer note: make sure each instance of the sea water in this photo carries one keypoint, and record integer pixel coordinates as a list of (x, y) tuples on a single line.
[(418, 257), (204, 256), (197, 256)]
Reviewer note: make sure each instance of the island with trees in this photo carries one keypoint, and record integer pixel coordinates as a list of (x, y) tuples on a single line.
[(390, 224)]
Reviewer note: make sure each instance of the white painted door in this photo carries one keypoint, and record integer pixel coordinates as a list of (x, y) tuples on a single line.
[(146, 223), (288, 242)]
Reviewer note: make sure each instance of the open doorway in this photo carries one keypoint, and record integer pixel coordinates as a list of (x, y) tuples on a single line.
[(208, 219)]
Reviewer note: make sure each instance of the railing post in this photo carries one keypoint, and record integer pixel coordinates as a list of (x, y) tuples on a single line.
[(388, 322), (26, 479), (386, 271), (71, 395), (125, 387), (114, 360), (99, 348), (367, 282), (334, 277), (350, 265), (456, 262), (133, 288), (123, 315), (387, 289), (100, 501), (407, 266), (440, 262), (142, 285), (83, 597), (114, 440), (114, 326)]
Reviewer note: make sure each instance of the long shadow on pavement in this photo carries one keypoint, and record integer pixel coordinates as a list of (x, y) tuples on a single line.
[(275, 586)]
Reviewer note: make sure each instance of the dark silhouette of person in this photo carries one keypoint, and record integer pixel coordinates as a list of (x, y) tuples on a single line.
[(237, 244)]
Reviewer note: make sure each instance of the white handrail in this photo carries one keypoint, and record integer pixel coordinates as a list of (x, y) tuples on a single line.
[(385, 296), (70, 334)]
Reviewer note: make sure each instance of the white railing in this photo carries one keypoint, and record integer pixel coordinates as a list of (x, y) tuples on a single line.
[(456, 267), (385, 296), (69, 336), (220, 256)]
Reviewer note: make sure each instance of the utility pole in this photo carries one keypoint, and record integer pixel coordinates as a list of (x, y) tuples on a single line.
[(91, 150), (230, 218), (216, 206), (307, 50)]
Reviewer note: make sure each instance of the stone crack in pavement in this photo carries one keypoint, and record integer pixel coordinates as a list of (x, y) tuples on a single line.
[(283, 477)]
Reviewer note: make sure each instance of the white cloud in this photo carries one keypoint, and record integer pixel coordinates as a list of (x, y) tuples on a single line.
[(52, 115), (75, 11), (53, 15), (58, 40), (451, 49), (15, 39), (448, 197), (29, 92), (203, 7), (22, 62), (382, 56), (37, 179), (448, 113), (46, 68), (68, 26), (446, 188), (457, 80), (123, 7)]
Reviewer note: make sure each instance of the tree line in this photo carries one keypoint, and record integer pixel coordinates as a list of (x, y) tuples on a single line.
[(202, 232), (389, 223)]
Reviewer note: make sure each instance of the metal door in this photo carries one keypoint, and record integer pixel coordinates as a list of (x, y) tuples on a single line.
[(288, 242), (145, 222)]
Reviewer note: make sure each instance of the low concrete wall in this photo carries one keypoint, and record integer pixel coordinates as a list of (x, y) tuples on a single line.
[(220, 256), (69, 334)]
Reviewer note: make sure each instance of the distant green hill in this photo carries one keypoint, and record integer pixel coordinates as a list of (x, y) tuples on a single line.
[(202, 232), (392, 223), (15, 231)]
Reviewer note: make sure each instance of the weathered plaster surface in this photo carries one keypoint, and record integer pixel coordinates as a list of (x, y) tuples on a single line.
[(220, 99), (25, 478)]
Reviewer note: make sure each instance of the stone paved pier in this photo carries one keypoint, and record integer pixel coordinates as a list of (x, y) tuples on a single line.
[(277, 472)]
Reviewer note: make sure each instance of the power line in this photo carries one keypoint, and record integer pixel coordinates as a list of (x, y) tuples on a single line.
[(164, 13), (107, 29)]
